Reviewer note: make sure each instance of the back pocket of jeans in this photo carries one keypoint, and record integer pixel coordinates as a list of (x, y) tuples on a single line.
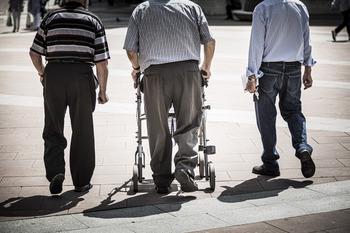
[(294, 84), (267, 82)]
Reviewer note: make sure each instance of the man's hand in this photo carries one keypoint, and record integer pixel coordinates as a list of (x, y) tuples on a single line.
[(251, 85), (207, 73), (102, 97), (307, 79), (134, 74)]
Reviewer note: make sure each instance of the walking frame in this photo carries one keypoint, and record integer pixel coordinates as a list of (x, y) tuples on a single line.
[(206, 167)]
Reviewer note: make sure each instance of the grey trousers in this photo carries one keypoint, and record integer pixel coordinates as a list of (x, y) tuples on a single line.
[(177, 84)]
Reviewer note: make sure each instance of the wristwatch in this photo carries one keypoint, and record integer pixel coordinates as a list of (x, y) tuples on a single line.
[(251, 79)]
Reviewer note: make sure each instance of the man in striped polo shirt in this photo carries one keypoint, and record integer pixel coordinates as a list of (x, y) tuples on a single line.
[(72, 39), (279, 45), (163, 40)]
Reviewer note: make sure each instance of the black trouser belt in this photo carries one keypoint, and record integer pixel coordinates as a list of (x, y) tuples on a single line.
[(67, 61), (294, 63)]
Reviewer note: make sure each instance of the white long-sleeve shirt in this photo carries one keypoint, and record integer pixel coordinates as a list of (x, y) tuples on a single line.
[(280, 33)]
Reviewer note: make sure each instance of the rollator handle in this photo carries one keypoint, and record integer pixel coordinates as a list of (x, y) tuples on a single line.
[(204, 81), (138, 75)]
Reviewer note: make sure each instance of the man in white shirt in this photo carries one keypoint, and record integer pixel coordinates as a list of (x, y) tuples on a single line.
[(279, 45)]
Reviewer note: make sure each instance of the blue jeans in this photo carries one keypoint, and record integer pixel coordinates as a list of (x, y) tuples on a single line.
[(283, 80)]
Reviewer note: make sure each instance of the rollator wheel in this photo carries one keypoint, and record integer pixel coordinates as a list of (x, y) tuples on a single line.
[(212, 176), (201, 165), (135, 179)]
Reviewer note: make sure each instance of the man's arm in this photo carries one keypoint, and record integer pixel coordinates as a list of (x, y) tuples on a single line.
[(38, 63), (209, 49), (256, 50), (134, 59), (102, 75)]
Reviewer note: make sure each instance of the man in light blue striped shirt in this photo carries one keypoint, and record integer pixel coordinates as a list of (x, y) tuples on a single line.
[(279, 45), (164, 41)]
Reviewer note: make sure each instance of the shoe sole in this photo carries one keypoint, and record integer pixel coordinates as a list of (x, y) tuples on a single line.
[(83, 188), (56, 184), (187, 185), (266, 173)]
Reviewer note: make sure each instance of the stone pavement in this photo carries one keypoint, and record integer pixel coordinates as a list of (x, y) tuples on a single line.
[(240, 197)]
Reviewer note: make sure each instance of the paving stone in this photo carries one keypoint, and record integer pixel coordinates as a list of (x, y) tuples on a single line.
[(122, 216), (61, 223), (312, 223), (7, 156), (345, 162), (256, 228), (179, 224)]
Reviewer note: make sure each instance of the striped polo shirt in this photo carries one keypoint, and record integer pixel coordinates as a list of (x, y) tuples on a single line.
[(165, 31), (71, 33)]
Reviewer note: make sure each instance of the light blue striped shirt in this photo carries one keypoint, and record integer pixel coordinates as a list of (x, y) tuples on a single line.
[(164, 31), (280, 32)]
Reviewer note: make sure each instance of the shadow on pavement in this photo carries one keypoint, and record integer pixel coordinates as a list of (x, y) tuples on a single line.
[(146, 196), (260, 187), (40, 205)]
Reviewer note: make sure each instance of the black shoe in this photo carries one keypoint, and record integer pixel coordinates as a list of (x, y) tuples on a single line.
[(307, 165), (56, 184), (163, 190), (261, 170), (186, 181), (334, 34), (83, 188)]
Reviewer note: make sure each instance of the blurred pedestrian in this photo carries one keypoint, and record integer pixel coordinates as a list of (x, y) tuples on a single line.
[(230, 6), (16, 7), (164, 40), (43, 10), (279, 46), (72, 39), (34, 7), (344, 6)]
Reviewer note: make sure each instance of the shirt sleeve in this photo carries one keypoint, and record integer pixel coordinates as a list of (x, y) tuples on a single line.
[(308, 60), (256, 47), (204, 31), (131, 42), (101, 45), (39, 43)]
